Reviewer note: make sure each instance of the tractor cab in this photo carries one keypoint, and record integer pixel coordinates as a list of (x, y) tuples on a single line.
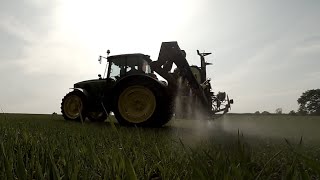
[(128, 64)]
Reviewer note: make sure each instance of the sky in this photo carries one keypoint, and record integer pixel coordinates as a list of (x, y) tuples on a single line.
[(265, 53)]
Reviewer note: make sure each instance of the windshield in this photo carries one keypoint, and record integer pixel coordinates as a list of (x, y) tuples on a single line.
[(127, 65), (114, 71), (146, 67)]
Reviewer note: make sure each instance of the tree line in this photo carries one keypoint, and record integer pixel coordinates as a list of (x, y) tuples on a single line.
[(309, 104)]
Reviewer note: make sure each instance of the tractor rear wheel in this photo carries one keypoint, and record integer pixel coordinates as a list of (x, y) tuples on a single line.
[(73, 106), (142, 101)]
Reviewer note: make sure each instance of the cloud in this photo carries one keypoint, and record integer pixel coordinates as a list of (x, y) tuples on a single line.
[(11, 46), (308, 45), (31, 93), (276, 74), (23, 26), (29, 15), (21, 23)]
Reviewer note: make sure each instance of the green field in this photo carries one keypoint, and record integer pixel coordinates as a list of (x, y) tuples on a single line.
[(231, 147)]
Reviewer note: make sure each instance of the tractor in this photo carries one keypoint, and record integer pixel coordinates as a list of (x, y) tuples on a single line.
[(138, 97)]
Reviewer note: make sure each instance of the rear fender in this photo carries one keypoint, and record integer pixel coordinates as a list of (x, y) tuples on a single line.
[(139, 76)]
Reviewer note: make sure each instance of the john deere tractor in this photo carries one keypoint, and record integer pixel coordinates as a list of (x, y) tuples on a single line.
[(136, 96)]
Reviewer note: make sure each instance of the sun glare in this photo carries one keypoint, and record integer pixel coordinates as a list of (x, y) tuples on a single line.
[(128, 25), (122, 26)]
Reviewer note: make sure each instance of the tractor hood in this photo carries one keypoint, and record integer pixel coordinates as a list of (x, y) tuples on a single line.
[(92, 86), (83, 84)]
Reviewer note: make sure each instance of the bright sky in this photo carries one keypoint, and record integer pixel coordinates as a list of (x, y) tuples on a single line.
[(265, 53)]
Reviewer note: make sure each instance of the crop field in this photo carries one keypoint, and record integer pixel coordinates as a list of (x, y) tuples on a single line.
[(231, 147)]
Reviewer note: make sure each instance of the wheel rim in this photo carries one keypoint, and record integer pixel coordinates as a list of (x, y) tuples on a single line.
[(73, 106), (136, 104)]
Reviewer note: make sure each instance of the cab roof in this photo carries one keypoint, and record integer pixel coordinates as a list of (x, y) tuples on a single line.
[(139, 55)]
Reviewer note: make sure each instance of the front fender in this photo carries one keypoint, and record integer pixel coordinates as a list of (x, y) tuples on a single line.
[(82, 90)]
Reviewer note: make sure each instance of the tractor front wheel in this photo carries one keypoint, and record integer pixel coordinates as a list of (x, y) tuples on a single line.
[(73, 106)]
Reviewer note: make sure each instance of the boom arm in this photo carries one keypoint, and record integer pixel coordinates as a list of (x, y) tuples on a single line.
[(171, 53)]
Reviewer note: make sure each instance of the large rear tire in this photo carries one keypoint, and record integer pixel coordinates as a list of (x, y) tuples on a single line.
[(73, 106), (142, 101)]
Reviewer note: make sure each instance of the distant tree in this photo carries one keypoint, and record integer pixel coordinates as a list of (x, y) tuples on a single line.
[(279, 111), (292, 112), (257, 112), (302, 112), (309, 102), (265, 112)]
